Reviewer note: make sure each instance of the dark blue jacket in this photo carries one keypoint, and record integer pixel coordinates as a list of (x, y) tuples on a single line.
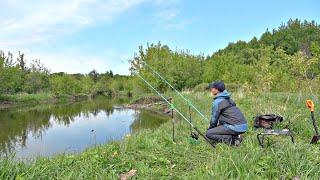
[(226, 113)]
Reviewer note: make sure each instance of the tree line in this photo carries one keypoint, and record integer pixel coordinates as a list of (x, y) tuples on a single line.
[(286, 59), (17, 77)]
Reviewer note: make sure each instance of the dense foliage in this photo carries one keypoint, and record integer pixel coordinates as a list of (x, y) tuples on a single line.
[(286, 59), (17, 77)]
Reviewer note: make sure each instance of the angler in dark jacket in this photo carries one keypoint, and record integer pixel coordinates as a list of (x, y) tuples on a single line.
[(227, 121)]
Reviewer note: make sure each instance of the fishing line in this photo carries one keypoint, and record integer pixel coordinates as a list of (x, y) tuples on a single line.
[(184, 98), (172, 106)]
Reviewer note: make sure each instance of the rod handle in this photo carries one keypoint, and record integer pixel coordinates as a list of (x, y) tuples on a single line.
[(310, 105), (208, 141)]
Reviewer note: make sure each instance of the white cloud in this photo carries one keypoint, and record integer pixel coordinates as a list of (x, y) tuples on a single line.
[(31, 24), (168, 15), (34, 23), (26, 22), (71, 63)]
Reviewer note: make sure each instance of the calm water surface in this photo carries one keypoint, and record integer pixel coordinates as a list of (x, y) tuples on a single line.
[(50, 129)]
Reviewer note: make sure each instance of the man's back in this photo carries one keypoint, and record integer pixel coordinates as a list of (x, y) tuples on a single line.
[(230, 113)]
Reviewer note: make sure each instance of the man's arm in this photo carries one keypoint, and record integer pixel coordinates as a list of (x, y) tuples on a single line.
[(215, 113)]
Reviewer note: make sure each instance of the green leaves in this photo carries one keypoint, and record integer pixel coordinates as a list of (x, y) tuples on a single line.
[(12, 80), (180, 68)]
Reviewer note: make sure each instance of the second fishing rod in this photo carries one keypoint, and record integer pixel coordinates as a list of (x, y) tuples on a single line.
[(173, 107), (172, 87)]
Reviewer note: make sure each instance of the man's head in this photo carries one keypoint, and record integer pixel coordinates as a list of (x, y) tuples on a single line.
[(216, 87)]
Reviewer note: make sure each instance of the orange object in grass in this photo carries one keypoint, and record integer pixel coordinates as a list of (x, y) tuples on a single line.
[(310, 105)]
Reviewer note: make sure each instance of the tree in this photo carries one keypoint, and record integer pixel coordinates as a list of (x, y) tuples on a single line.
[(37, 66), (6, 61), (86, 84), (109, 74), (65, 84), (11, 79), (21, 62), (36, 82), (180, 68), (103, 86), (94, 75)]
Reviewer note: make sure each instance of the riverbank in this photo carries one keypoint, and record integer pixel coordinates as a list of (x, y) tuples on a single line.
[(153, 154), (149, 102), (24, 99)]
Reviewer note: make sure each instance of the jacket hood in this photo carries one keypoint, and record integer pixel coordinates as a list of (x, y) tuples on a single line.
[(223, 94)]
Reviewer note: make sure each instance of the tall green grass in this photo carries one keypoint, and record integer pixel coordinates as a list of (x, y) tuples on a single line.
[(153, 154), (22, 99), (26, 98)]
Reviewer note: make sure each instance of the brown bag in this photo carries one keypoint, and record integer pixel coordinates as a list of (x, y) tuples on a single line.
[(266, 121)]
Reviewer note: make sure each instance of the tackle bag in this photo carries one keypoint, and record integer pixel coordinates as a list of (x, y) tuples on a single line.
[(266, 121)]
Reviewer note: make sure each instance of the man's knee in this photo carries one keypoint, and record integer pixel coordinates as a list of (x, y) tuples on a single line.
[(211, 136), (211, 133), (208, 134), (217, 130)]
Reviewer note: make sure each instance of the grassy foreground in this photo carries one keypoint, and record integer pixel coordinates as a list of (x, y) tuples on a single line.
[(155, 156)]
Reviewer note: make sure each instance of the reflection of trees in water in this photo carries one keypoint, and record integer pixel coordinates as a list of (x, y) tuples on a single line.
[(147, 120), (16, 125), (66, 114)]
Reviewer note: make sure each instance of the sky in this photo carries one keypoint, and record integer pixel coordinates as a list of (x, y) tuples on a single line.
[(77, 36)]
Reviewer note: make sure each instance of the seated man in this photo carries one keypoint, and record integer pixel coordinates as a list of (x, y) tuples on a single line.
[(227, 121)]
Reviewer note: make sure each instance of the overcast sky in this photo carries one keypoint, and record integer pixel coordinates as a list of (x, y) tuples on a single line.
[(76, 36)]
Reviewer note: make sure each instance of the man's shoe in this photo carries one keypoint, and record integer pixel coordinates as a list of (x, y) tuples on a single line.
[(237, 140)]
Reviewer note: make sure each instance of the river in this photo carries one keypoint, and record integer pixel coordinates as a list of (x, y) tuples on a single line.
[(45, 130)]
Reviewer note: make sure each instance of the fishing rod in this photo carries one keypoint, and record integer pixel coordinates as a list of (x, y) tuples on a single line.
[(173, 107), (183, 97)]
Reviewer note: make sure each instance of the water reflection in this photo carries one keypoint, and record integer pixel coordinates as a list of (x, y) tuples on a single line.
[(45, 130), (146, 119)]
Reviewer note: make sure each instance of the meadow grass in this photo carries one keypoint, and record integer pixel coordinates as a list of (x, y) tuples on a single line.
[(155, 156)]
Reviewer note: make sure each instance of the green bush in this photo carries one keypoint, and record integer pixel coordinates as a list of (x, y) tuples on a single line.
[(36, 82), (65, 84), (201, 87), (12, 80)]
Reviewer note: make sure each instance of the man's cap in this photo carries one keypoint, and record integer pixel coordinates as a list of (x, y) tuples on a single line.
[(217, 85)]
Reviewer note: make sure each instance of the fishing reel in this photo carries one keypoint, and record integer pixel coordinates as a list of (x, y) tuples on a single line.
[(194, 135), (194, 138)]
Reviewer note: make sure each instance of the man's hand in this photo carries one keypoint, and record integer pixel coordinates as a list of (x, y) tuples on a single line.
[(211, 126)]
